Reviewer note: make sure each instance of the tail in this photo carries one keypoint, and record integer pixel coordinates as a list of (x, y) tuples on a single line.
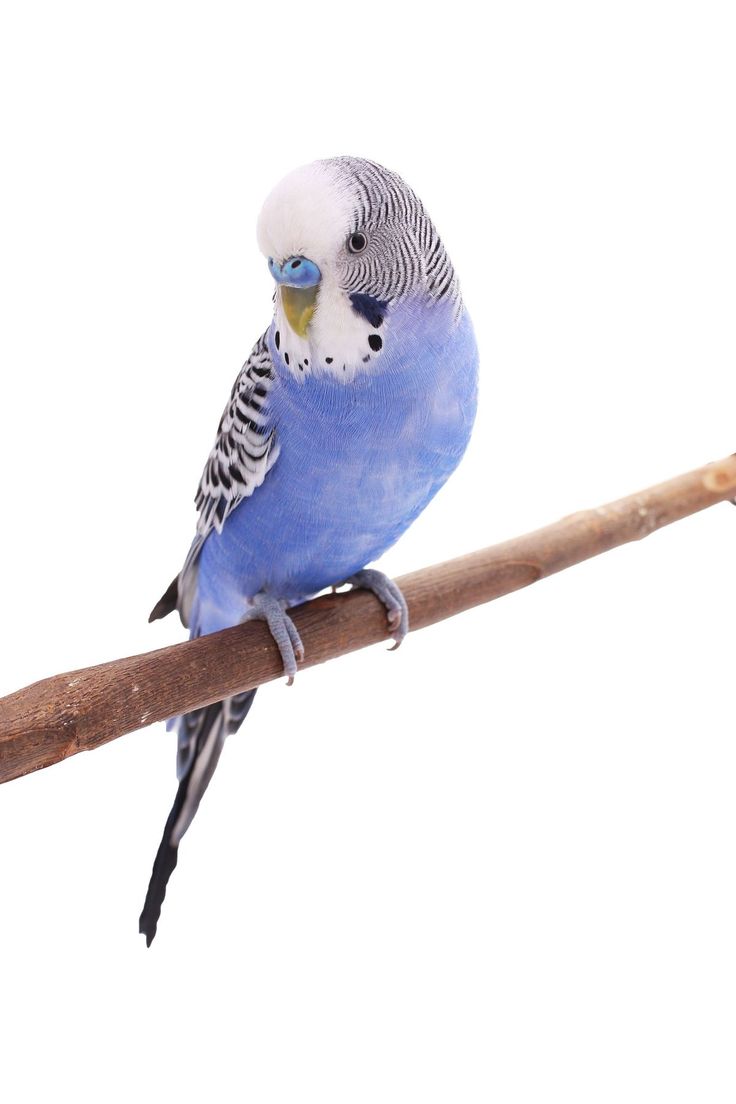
[(201, 738)]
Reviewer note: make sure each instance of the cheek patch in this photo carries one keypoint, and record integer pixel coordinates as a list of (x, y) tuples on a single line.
[(369, 308)]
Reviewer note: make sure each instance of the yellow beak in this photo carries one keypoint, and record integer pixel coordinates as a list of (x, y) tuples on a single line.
[(299, 304)]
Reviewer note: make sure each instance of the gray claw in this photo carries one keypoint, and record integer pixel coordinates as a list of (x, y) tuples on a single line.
[(283, 630), (388, 593)]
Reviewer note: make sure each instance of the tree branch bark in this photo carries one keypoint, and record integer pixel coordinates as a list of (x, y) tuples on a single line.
[(59, 716)]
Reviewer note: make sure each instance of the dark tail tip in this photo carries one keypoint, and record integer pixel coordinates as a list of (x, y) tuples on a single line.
[(163, 867), (201, 737), (166, 603)]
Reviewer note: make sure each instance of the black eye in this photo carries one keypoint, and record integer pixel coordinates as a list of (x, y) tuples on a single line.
[(357, 242)]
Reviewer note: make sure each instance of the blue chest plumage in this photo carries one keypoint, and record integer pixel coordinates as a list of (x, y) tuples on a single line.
[(358, 462)]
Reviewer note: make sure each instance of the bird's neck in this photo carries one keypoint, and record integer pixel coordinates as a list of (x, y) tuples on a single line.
[(348, 344)]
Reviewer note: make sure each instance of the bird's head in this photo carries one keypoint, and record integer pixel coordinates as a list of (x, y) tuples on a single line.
[(347, 242)]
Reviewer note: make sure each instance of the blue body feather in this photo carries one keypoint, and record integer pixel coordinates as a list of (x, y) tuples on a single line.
[(359, 460)]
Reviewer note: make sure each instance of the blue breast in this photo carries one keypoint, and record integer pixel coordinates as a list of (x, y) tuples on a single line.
[(358, 462)]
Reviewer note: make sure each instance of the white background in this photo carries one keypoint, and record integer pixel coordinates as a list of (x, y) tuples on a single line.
[(499, 865)]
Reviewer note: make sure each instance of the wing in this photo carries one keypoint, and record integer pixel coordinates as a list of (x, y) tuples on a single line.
[(245, 450)]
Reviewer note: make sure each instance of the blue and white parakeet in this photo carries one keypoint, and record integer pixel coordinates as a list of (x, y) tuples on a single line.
[(348, 416)]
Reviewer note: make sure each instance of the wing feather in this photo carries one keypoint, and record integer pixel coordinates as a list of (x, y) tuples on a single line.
[(246, 447), (245, 450)]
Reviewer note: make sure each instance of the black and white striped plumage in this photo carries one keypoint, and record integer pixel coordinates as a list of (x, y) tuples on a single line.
[(245, 450), (394, 265), (246, 447)]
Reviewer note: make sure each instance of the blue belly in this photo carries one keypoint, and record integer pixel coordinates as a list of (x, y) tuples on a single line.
[(358, 462)]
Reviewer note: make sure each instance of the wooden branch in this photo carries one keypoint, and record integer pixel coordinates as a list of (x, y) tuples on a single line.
[(60, 716)]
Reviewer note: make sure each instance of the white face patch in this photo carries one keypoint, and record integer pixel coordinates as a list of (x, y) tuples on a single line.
[(310, 214), (338, 342), (306, 215)]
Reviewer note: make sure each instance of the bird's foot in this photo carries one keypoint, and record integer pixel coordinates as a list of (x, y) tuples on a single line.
[(264, 607), (386, 591)]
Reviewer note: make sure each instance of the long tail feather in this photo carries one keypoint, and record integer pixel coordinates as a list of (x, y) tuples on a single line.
[(201, 738)]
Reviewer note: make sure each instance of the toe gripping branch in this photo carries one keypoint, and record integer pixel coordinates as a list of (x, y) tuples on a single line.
[(266, 608), (387, 592)]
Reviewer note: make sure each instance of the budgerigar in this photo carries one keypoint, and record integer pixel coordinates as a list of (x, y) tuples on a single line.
[(350, 413)]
